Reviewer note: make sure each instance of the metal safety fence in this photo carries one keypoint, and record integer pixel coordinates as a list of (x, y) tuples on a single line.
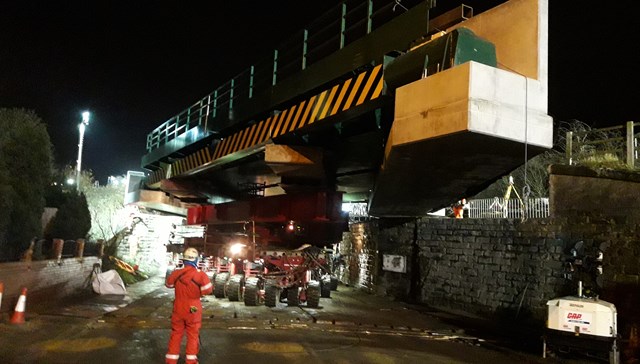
[(500, 208), (346, 23)]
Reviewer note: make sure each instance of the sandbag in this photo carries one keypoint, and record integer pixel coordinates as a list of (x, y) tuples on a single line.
[(108, 282)]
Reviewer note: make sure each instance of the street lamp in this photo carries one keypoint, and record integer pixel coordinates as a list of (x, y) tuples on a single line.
[(81, 126)]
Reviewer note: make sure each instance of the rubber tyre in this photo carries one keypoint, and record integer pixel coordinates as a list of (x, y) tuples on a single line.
[(220, 285), (325, 288), (234, 288), (293, 296), (313, 294), (271, 296), (213, 282), (252, 296)]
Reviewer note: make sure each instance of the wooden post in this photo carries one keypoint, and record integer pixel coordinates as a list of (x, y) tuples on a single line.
[(631, 148), (57, 249), (79, 248), (569, 147), (100, 248)]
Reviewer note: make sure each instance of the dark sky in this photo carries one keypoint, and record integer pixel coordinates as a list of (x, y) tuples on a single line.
[(135, 64)]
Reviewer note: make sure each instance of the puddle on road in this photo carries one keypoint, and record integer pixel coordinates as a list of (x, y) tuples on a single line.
[(79, 345)]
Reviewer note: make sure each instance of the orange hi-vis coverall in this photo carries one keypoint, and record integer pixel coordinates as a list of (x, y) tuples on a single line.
[(190, 284)]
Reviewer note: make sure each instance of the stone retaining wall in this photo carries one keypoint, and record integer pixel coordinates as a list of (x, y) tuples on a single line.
[(510, 268), (503, 267)]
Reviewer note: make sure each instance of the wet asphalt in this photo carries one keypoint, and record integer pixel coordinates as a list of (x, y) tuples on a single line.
[(350, 327)]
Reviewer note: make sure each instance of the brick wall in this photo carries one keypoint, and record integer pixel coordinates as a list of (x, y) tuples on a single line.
[(45, 280)]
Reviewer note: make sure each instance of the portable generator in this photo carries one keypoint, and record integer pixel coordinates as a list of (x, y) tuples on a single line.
[(586, 326)]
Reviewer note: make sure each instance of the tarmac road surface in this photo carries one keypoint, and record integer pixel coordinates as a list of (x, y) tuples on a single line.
[(349, 327)]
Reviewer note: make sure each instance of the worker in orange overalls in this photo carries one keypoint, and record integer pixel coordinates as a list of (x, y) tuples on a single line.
[(190, 284), (458, 209)]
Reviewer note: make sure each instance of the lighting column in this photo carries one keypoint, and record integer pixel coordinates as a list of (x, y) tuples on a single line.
[(82, 126)]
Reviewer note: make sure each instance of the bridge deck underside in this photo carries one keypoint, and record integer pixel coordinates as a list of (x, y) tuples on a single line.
[(431, 174), (406, 151)]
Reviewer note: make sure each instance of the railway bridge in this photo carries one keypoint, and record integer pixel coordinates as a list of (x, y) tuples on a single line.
[(378, 102)]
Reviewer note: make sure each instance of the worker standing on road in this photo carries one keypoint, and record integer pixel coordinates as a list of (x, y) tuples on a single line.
[(190, 284)]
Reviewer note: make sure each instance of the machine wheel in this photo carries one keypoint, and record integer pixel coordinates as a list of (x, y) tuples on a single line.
[(212, 279), (234, 289), (334, 283), (271, 296), (220, 285), (252, 287), (325, 287), (293, 296), (313, 294)]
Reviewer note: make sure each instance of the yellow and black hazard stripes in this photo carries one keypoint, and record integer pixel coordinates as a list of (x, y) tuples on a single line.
[(352, 92), (355, 91), (181, 166), (156, 176), (191, 161)]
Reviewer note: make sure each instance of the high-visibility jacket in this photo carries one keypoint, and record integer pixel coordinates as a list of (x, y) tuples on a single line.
[(190, 284), (458, 211)]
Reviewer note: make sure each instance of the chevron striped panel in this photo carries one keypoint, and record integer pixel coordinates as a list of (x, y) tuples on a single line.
[(352, 92)]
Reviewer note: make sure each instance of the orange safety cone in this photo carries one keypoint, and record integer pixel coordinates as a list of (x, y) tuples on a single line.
[(18, 314)]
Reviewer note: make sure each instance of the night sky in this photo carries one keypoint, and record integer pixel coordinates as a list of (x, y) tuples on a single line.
[(135, 64)]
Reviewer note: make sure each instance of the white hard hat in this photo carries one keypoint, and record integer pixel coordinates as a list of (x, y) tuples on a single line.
[(190, 254)]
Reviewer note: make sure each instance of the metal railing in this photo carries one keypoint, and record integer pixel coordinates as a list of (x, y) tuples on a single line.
[(613, 144), (347, 22), (357, 211), (499, 208)]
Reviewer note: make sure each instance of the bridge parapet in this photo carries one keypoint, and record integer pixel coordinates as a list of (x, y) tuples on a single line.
[(328, 48)]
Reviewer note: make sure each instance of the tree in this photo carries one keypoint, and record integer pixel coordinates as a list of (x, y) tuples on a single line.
[(537, 177), (106, 205), (25, 171), (69, 173), (6, 204), (606, 155), (72, 221)]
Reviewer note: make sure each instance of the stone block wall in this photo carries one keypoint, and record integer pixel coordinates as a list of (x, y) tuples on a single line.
[(503, 267), (358, 257), (577, 190), (511, 268), (46, 280), (147, 245)]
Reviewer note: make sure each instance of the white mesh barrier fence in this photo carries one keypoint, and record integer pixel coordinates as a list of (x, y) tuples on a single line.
[(499, 208)]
